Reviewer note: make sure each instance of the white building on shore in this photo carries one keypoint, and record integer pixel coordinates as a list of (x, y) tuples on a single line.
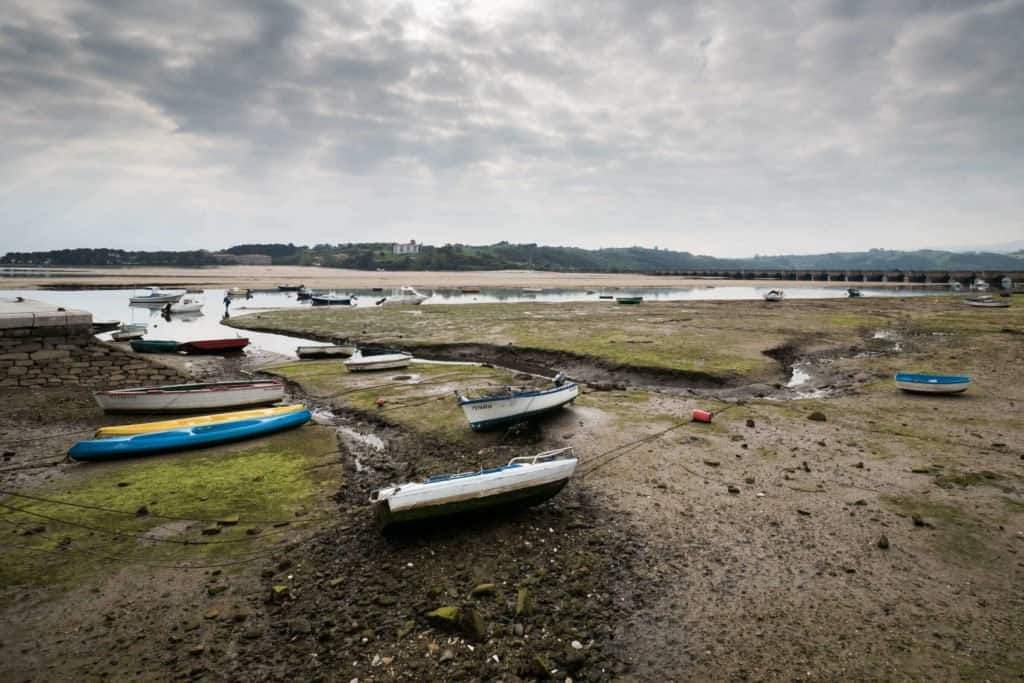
[(410, 248)]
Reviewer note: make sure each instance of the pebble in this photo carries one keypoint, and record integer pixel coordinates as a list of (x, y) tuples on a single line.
[(883, 542), (733, 489), (817, 416)]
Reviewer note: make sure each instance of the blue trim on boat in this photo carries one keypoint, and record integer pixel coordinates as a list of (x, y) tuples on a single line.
[(526, 394), (438, 478), (189, 437), (931, 379)]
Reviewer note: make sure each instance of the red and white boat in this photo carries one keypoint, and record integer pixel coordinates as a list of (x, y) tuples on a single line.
[(184, 398), (214, 345)]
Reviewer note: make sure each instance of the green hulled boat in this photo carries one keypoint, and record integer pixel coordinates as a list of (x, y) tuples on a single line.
[(628, 299), (154, 345)]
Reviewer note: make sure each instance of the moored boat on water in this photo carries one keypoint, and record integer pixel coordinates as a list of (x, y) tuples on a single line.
[(774, 295), (154, 345), (156, 296), (290, 288), (188, 304), (629, 299), (331, 300), (516, 404), (407, 296), (326, 351), (386, 361), (183, 398), (214, 345), (522, 482), (186, 437), (932, 384), (184, 422), (853, 292)]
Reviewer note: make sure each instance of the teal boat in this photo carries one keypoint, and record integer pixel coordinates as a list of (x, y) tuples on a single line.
[(628, 299), (154, 345), (184, 438)]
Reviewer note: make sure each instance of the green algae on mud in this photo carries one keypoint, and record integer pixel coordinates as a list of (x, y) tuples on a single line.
[(250, 486)]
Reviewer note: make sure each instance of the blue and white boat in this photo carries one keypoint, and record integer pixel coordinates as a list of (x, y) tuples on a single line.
[(156, 296), (516, 404), (522, 482), (932, 384), (186, 437)]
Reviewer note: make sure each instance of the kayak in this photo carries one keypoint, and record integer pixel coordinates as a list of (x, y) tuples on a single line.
[(186, 437), (164, 425), (154, 345)]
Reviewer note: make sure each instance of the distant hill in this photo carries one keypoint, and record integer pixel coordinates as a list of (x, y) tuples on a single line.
[(504, 255)]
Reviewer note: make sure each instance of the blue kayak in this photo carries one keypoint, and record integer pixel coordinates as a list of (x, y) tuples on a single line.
[(932, 384), (187, 437)]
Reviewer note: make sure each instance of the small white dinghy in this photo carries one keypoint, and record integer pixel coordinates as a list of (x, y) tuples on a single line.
[(407, 296), (774, 295), (387, 361), (188, 304), (183, 398), (522, 482), (516, 404)]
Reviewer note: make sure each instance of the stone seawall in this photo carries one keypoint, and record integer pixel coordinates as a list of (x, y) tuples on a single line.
[(59, 348)]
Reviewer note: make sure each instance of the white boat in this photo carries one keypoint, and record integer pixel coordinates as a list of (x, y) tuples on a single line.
[(773, 295), (238, 292), (522, 482), (128, 334), (987, 302), (188, 304), (326, 351), (536, 290), (156, 296), (387, 361), (407, 296), (932, 384), (979, 285), (180, 398), (516, 404)]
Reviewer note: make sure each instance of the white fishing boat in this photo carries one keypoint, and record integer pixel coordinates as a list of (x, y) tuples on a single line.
[(326, 351), (188, 304), (407, 296), (522, 482), (516, 404), (773, 295), (932, 384), (387, 361), (181, 398), (987, 302), (156, 296)]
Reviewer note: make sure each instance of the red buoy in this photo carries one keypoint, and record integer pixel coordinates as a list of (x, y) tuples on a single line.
[(701, 415)]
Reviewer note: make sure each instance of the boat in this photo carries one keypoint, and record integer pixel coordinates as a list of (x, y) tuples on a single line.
[(511, 405), (532, 290), (853, 292), (99, 326), (986, 302), (979, 285), (290, 288), (304, 294), (329, 351), (386, 361), (522, 482), (184, 398), (164, 425), (185, 437), (605, 296), (407, 296), (773, 295), (154, 345), (470, 290), (156, 296), (188, 304), (932, 384), (127, 335), (237, 292), (331, 300), (629, 299), (214, 345), (377, 350)]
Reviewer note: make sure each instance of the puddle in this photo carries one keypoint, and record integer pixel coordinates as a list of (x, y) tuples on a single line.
[(373, 441)]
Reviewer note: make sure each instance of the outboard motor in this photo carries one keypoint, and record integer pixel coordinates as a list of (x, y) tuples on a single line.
[(560, 379)]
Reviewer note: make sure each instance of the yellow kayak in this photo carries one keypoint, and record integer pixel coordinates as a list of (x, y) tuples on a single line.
[(164, 425)]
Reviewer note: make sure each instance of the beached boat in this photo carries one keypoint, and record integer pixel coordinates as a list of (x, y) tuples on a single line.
[(327, 351), (214, 345), (522, 482), (605, 296), (331, 300), (290, 288), (470, 290), (99, 326), (532, 290), (853, 292), (238, 292), (516, 404), (304, 294), (185, 398), (156, 296), (387, 361), (184, 422), (188, 304), (773, 295), (407, 296), (185, 437), (932, 384), (986, 302), (629, 299), (154, 346)]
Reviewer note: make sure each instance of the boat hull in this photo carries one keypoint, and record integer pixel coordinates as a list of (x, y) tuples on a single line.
[(187, 438), (185, 422), (932, 384), (184, 398), (154, 346), (383, 362), (324, 301), (403, 300), (629, 300), (214, 345), (520, 498), (127, 335), (486, 413), (325, 351), (987, 303)]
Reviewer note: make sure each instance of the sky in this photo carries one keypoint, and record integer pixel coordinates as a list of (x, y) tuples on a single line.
[(723, 128)]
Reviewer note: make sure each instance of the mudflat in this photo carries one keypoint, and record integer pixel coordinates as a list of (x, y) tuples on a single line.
[(823, 526)]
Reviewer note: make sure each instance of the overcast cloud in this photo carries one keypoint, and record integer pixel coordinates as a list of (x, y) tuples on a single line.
[(728, 128)]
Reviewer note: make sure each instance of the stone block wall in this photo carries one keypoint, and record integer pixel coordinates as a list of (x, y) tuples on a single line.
[(53, 353)]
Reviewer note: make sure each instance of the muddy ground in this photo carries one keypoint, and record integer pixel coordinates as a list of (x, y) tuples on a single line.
[(835, 529)]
